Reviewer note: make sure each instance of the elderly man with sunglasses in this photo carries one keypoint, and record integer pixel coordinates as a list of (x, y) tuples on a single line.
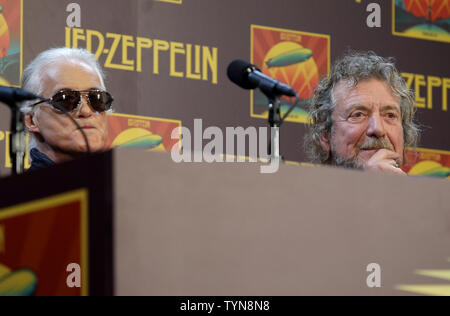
[(73, 83)]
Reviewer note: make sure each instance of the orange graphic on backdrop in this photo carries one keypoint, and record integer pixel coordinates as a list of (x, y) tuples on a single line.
[(302, 76), (296, 58), (4, 35), (10, 42), (40, 239), (141, 132), (427, 162), (434, 9)]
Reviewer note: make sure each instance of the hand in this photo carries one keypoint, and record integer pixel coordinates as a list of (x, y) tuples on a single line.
[(384, 160)]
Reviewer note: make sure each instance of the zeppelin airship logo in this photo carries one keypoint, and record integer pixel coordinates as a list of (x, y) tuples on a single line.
[(290, 58)]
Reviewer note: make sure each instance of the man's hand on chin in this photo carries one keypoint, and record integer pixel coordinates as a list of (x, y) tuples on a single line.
[(384, 160)]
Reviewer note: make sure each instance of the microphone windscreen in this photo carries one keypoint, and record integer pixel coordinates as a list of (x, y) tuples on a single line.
[(11, 96), (23, 95), (238, 73)]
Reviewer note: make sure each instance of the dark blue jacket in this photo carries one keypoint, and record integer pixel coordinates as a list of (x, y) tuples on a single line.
[(39, 160)]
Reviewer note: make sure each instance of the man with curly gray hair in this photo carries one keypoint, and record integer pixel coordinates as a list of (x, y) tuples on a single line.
[(362, 115)]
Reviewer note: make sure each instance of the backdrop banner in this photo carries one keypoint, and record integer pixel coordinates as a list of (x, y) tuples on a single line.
[(166, 60)]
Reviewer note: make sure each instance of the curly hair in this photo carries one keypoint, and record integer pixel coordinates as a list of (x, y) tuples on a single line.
[(353, 68)]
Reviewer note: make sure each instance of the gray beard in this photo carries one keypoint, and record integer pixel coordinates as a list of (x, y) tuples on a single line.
[(349, 163), (352, 163)]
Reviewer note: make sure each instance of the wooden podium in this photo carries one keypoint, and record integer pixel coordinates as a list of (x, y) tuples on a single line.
[(139, 224)]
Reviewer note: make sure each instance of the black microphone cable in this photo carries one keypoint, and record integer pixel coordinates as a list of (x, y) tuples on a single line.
[(65, 112), (297, 100)]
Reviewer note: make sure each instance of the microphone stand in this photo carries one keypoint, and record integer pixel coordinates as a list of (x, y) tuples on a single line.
[(275, 123), (275, 120), (17, 139)]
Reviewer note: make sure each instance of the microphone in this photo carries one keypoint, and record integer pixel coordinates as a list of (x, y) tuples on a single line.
[(11, 96), (248, 76)]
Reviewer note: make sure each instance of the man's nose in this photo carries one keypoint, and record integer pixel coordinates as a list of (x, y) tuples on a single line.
[(85, 109), (376, 126)]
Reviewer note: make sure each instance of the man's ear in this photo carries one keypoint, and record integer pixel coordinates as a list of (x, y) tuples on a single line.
[(30, 123), (325, 142)]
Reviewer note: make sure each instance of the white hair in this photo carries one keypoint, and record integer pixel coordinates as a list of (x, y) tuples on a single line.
[(32, 78)]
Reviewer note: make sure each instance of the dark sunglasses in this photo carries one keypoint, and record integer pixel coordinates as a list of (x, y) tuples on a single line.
[(70, 100)]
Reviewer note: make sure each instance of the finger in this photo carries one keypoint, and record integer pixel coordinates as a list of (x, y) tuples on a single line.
[(388, 167), (398, 171), (394, 163)]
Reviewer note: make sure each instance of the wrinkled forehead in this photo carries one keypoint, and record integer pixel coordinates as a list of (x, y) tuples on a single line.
[(369, 93), (69, 74)]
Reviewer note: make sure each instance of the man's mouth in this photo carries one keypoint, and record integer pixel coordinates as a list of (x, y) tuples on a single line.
[(370, 151), (367, 151), (375, 148), (88, 127)]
